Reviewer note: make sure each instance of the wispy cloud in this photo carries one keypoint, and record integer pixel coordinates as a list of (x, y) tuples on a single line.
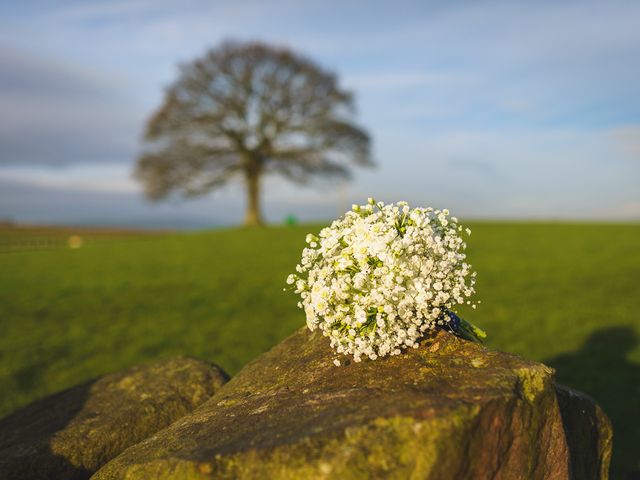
[(627, 137), (396, 81), (476, 166), (91, 179), (55, 113)]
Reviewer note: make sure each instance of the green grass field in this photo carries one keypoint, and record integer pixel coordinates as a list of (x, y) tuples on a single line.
[(565, 294)]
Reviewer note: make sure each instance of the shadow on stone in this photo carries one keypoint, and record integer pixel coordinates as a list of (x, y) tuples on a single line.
[(601, 369), (28, 431), (71, 434)]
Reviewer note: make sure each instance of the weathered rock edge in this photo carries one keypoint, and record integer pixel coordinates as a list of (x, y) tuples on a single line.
[(589, 434), (73, 433), (449, 409)]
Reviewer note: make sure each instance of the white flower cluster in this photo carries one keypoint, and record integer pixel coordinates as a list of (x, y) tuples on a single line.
[(382, 275)]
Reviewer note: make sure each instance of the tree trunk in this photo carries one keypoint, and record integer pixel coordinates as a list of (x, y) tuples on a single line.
[(253, 215)]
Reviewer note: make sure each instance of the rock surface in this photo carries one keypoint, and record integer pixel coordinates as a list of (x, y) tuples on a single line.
[(71, 434), (447, 410), (589, 434)]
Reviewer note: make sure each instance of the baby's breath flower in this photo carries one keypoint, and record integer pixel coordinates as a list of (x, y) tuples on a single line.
[(382, 275)]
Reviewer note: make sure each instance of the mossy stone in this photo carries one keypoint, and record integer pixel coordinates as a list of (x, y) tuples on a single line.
[(448, 409), (73, 433)]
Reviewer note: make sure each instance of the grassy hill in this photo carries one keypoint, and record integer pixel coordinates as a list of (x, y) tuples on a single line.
[(565, 294)]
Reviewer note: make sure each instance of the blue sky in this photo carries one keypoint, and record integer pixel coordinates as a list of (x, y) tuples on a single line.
[(492, 109)]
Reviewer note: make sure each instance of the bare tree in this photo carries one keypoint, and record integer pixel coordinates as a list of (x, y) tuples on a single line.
[(249, 109)]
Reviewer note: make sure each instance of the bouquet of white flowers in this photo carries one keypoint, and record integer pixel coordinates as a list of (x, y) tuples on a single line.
[(382, 275)]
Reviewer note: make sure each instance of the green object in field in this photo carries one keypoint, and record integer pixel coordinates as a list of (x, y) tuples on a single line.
[(291, 220)]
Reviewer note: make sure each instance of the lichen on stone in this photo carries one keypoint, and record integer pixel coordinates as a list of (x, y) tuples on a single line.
[(427, 413)]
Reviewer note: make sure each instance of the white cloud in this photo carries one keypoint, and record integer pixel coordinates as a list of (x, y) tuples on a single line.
[(60, 113), (389, 80), (88, 179), (628, 210), (552, 173), (627, 137)]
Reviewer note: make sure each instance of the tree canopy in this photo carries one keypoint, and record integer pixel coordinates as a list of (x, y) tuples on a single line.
[(248, 110)]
